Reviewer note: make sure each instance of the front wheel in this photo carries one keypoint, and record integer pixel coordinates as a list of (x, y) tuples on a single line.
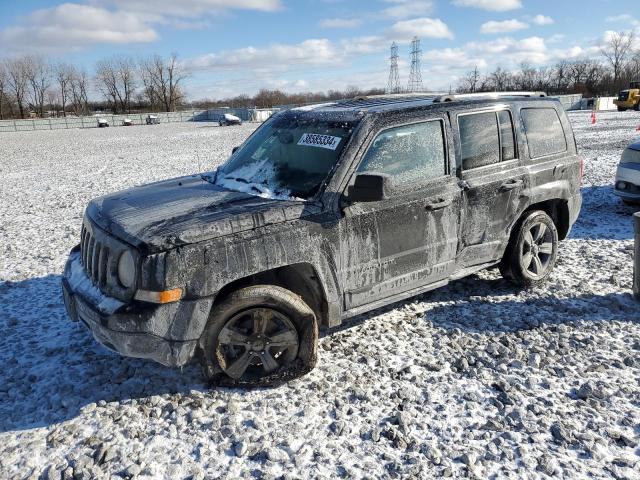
[(262, 335), (532, 251)]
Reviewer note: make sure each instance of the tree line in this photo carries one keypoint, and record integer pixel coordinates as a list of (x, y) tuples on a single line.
[(267, 98), (619, 65), (31, 85)]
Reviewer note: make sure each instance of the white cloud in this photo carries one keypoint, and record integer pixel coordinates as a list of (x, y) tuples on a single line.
[(624, 18), (339, 23), (407, 8), (309, 52), (503, 26), (74, 26), (422, 27), (542, 20), (492, 5), (192, 8)]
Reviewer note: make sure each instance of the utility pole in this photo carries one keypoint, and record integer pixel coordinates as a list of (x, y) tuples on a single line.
[(415, 77), (393, 85)]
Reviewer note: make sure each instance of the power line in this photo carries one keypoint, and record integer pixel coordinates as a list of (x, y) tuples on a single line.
[(415, 77), (393, 85)]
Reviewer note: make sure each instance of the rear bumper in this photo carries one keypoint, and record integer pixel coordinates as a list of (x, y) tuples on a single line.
[(167, 334), (574, 204)]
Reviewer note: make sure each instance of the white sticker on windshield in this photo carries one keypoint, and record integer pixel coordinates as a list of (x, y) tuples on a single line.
[(321, 141)]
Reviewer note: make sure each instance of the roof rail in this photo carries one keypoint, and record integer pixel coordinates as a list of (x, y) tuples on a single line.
[(471, 96)]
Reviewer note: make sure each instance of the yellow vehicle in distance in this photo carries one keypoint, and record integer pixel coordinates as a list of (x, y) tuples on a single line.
[(629, 99)]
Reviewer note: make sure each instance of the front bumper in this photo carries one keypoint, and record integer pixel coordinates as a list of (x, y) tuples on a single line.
[(166, 333), (627, 184)]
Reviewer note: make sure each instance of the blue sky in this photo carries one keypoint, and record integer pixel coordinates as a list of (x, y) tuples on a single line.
[(239, 46)]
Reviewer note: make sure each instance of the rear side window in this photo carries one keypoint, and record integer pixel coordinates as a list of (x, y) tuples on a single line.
[(410, 154), (479, 140), (544, 131)]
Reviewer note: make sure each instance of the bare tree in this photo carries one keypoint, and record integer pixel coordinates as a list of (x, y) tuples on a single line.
[(17, 81), (616, 51), (3, 88), (500, 79), (78, 84), (38, 73), (126, 76), (470, 81), (162, 80), (107, 82), (64, 77)]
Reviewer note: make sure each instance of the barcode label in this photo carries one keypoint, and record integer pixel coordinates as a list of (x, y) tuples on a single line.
[(321, 141)]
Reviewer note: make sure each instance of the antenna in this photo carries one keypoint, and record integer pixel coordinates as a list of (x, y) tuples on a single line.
[(393, 85), (415, 77)]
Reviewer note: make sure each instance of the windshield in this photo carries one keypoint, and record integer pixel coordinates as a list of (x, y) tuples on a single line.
[(289, 156)]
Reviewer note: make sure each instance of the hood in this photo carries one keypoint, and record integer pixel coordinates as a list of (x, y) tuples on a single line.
[(635, 146), (185, 210)]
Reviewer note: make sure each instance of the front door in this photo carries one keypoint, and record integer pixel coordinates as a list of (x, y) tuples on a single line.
[(408, 240), (493, 180)]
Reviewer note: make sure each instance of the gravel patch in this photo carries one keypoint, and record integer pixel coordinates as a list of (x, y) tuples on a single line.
[(476, 379)]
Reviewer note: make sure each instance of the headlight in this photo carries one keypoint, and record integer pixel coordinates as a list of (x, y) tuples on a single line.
[(630, 156), (127, 269)]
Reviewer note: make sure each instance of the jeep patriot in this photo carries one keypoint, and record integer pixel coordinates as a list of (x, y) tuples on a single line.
[(325, 212)]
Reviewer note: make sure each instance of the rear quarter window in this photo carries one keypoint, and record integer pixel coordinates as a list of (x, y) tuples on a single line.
[(544, 132)]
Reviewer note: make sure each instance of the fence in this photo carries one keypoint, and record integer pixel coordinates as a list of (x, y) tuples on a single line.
[(246, 114), (91, 122)]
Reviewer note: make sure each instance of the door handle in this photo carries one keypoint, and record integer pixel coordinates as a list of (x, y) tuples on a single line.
[(559, 169), (440, 203), (510, 185)]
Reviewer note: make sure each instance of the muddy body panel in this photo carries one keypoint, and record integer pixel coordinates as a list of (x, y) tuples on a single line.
[(342, 257)]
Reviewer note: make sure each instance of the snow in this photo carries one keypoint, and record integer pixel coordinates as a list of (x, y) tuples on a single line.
[(476, 378), (80, 282), (258, 179)]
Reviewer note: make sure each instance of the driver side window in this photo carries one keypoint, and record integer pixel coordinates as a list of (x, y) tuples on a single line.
[(410, 154)]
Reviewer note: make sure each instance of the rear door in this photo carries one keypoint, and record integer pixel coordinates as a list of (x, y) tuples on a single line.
[(408, 240), (492, 178)]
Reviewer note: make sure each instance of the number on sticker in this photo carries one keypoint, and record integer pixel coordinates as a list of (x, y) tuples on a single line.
[(320, 141)]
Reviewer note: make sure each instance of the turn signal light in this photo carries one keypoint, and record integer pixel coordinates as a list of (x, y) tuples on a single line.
[(166, 296)]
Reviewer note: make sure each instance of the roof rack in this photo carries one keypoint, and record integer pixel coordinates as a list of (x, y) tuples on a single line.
[(378, 100), (471, 96)]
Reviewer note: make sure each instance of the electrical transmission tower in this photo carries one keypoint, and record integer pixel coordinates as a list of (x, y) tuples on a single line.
[(393, 85), (415, 77)]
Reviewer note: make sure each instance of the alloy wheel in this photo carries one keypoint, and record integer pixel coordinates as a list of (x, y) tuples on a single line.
[(256, 342)]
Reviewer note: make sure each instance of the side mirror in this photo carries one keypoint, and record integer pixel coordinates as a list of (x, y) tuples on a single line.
[(234, 150), (369, 187)]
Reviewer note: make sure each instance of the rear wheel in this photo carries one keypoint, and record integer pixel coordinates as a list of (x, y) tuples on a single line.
[(258, 336), (532, 251), (621, 109)]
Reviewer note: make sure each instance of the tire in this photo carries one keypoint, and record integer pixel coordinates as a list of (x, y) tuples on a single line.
[(237, 344), (631, 203), (524, 254), (621, 109), (636, 107)]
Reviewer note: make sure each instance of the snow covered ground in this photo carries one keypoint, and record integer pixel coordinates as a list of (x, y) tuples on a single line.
[(475, 379)]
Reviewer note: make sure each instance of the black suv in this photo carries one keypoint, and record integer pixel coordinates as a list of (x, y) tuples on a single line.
[(323, 213)]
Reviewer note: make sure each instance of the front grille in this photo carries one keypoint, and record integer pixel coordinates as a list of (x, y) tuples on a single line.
[(95, 257), (99, 253)]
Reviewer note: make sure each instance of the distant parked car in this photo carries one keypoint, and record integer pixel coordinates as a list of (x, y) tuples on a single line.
[(153, 120), (228, 119), (127, 122), (102, 122), (628, 175)]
